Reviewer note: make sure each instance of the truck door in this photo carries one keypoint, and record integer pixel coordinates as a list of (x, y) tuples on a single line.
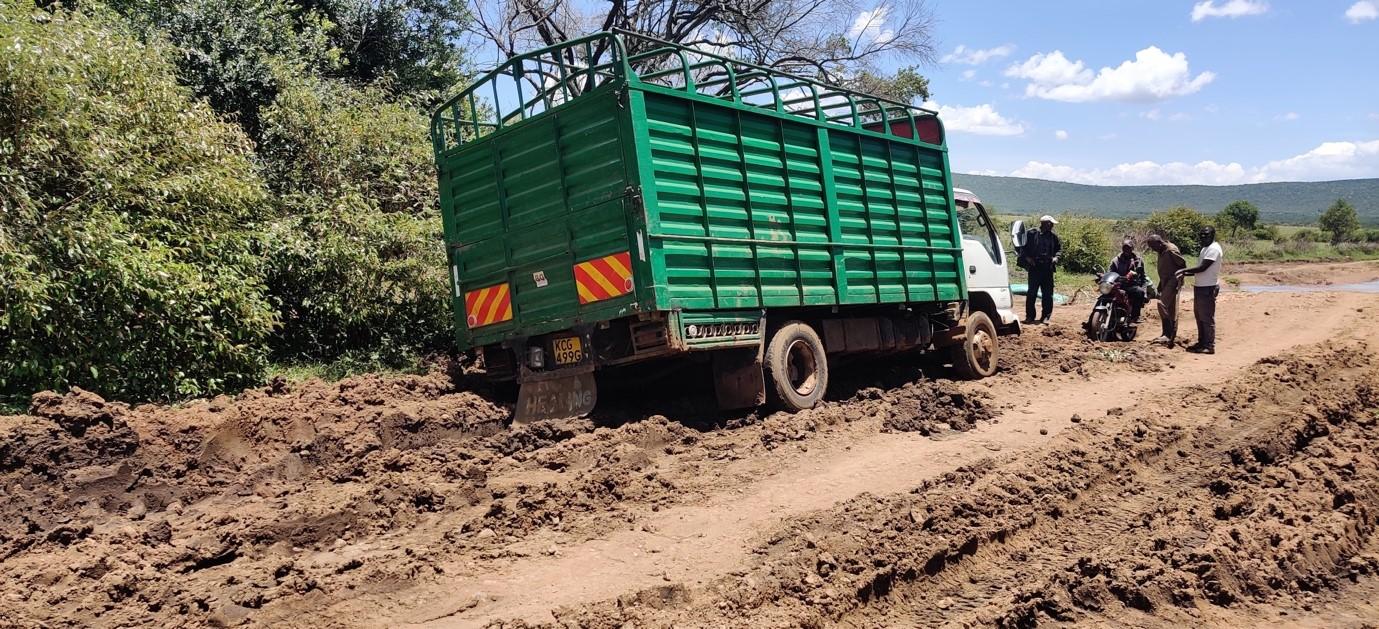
[(987, 271)]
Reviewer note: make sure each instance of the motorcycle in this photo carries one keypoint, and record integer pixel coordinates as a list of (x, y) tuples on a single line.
[(1110, 318)]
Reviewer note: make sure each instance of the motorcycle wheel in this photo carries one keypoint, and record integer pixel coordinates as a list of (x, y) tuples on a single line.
[(1127, 332), (1094, 326)]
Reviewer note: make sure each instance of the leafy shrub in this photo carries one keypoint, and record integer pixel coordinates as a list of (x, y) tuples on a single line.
[(1370, 235), (129, 212), (324, 140), (356, 261), (353, 280), (1267, 232), (1178, 225), (1308, 235), (1086, 243)]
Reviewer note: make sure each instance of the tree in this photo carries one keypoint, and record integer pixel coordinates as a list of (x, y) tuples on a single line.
[(408, 47), (1239, 215), (1179, 225), (1340, 220), (837, 42), (232, 52), (237, 53)]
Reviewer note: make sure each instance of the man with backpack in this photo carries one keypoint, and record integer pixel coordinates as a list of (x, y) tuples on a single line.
[(1039, 256)]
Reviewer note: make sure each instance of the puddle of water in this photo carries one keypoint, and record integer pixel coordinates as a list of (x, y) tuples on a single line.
[(1364, 287)]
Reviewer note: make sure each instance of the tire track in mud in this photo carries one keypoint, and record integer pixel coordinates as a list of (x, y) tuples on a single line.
[(1261, 494)]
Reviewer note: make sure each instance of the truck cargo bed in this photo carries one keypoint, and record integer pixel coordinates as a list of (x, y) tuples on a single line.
[(649, 182)]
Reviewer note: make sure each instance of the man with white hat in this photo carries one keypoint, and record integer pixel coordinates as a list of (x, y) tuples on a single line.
[(1039, 256)]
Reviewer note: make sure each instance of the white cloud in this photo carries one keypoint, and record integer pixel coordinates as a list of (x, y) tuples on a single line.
[(1153, 75), (1330, 160), (1060, 134), (1374, 116), (1288, 117), (977, 56), (870, 27), (1156, 115), (1362, 11), (1139, 173), (968, 74), (979, 120), (1108, 136), (1229, 8)]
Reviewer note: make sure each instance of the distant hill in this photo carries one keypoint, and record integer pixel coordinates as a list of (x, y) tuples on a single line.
[(1295, 203)]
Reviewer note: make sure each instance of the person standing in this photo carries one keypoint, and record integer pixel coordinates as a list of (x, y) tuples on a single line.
[(1206, 287), (1040, 257), (1170, 261)]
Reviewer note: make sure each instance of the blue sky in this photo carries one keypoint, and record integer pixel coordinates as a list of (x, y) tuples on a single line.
[(1190, 92)]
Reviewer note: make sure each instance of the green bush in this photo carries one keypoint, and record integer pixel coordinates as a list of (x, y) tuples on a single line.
[(1308, 235), (129, 213), (1086, 243), (1178, 225), (1370, 235), (356, 261), (1267, 232), (357, 281)]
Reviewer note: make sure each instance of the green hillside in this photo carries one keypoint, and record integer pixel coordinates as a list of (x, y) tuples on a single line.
[(1296, 203)]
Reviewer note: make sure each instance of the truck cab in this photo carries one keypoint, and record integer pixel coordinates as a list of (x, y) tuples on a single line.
[(988, 272)]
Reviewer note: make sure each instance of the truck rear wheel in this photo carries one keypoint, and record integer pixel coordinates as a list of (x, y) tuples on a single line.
[(796, 367), (976, 357)]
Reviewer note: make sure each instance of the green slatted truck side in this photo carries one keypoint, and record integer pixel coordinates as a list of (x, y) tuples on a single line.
[(617, 200)]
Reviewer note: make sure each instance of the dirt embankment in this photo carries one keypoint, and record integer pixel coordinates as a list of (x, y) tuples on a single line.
[(1272, 504), (221, 510)]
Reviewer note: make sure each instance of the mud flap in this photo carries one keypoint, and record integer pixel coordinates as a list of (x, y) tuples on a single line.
[(738, 380), (557, 396)]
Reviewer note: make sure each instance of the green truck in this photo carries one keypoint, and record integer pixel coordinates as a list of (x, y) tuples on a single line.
[(617, 199)]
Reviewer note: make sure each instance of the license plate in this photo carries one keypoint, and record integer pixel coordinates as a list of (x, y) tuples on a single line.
[(568, 350)]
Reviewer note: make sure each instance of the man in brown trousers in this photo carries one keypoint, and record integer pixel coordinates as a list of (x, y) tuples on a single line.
[(1169, 263)]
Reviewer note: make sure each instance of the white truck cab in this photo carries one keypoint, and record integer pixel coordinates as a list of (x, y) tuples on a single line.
[(988, 274)]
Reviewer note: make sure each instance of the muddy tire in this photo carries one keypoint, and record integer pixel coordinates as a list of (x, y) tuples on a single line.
[(977, 356), (796, 368), (1094, 326), (1128, 333)]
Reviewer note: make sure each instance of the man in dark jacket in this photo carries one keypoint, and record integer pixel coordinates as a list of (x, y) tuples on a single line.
[(1129, 266), (1040, 257)]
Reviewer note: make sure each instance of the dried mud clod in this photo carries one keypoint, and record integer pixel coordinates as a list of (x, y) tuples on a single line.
[(933, 407)]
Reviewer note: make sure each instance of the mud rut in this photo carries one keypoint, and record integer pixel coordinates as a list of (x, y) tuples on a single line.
[(1271, 505), (387, 501)]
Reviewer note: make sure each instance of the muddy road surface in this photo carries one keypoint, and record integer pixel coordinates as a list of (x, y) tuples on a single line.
[(1101, 484)]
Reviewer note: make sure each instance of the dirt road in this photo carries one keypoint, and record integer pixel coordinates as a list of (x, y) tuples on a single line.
[(1111, 484)]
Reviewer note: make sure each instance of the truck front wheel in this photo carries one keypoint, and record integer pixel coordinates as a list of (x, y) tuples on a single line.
[(976, 357), (796, 367)]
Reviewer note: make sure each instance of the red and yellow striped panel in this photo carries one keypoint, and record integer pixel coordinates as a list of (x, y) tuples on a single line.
[(488, 305), (604, 278)]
